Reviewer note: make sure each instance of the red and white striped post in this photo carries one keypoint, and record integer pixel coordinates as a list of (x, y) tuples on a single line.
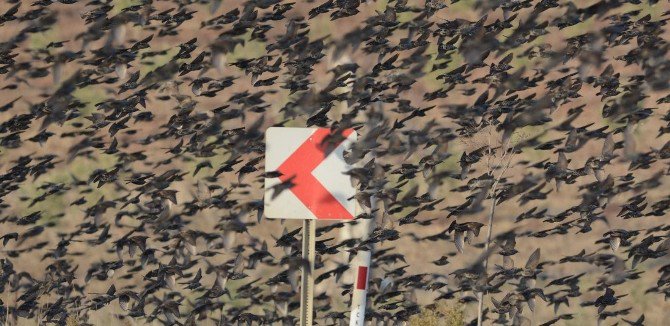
[(360, 290), (362, 260)]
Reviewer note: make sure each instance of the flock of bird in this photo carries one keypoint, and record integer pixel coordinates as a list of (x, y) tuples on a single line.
[(131, 158)]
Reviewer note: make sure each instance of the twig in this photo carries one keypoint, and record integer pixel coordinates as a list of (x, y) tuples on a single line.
[(489, 232)]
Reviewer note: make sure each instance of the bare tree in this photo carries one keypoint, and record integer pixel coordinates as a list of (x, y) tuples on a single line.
[(494, 163)]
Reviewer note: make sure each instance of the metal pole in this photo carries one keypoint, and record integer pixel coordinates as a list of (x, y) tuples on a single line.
[(307, 288)]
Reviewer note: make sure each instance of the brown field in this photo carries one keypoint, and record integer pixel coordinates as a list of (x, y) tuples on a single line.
[(418, 255)]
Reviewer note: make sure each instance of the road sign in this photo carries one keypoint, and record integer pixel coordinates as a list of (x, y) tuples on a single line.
[(309, 183), (312, 184)]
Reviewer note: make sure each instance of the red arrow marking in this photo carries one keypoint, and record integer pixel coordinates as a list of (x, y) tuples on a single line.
[(307, 188)]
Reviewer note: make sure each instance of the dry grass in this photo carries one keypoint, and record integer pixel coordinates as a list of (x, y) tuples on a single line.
[(440, 314), (72, 321)]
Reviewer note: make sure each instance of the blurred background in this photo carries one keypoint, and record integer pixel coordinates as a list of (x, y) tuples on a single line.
[(66, 194)]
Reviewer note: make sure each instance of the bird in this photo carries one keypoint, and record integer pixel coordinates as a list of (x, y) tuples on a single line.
[(133, 170)]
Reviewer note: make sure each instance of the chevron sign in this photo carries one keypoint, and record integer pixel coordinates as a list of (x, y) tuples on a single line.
[(305, 174)]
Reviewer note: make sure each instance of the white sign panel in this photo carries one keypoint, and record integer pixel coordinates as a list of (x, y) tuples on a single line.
[(311, 182)]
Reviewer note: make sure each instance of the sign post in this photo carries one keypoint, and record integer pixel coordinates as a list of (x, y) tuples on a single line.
[(307, 284), (308, 182)]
